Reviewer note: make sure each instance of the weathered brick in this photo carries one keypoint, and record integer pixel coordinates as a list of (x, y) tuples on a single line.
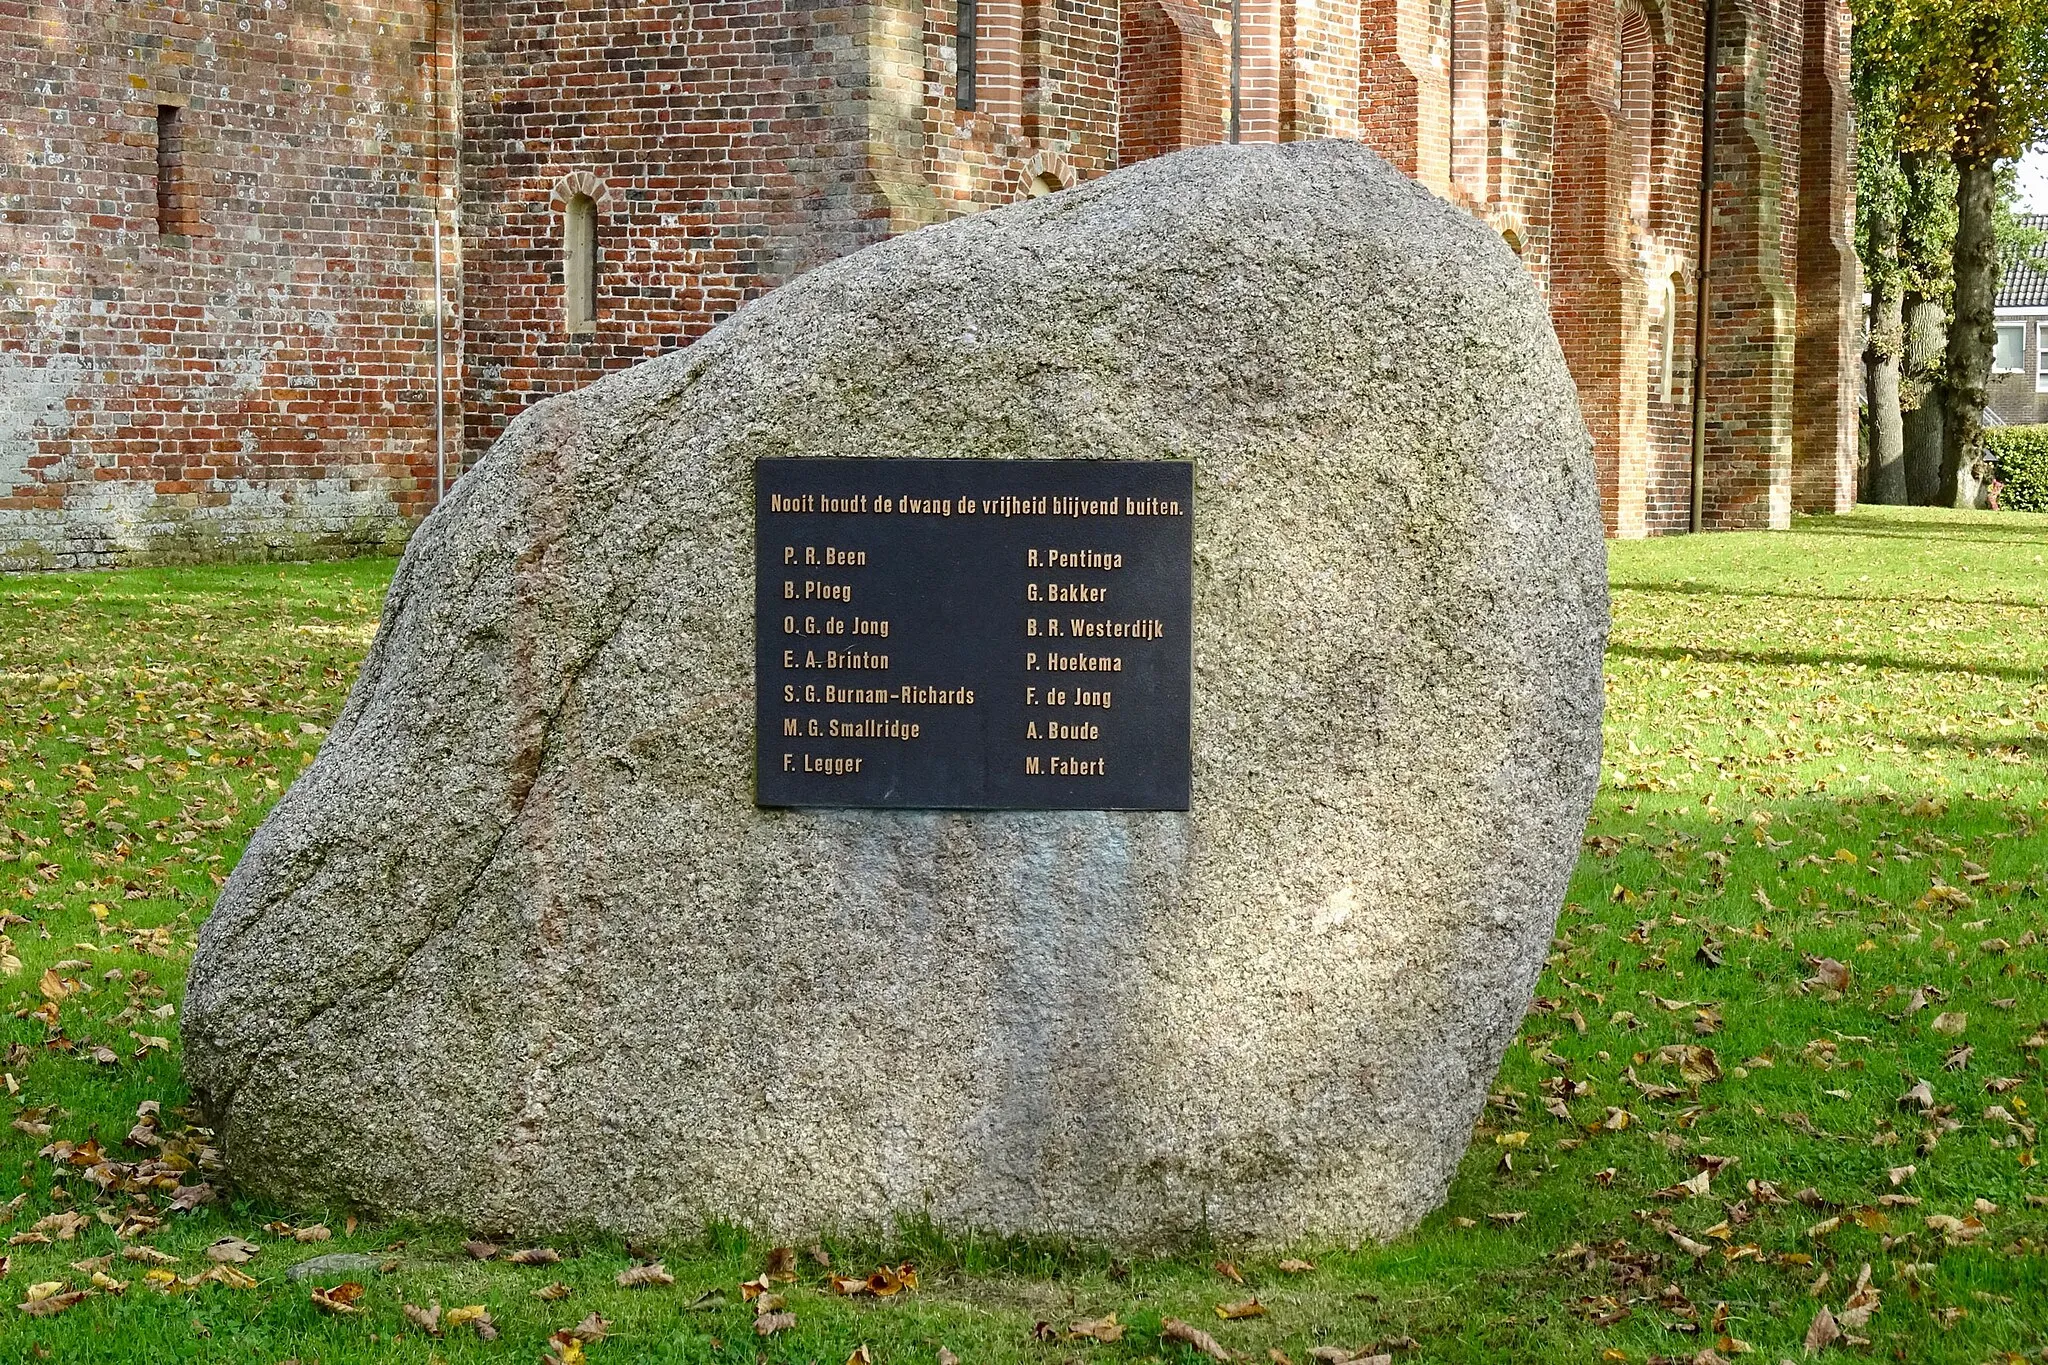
[(241, 362)]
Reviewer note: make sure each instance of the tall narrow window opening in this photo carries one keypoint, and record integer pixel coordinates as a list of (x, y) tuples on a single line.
[(176, 208), (1669, 360), (579, 263), (1636, 93), (966, 23), (1471, 80)]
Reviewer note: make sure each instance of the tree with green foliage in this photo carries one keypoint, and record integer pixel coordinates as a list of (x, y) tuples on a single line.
[(1881, 191), (1969, 82)]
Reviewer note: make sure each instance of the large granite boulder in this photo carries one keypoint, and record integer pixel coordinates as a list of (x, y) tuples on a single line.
[(518, 950)]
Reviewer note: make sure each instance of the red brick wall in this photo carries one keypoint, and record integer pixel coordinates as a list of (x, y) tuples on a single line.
[(1751, 328), (717, 142), (1173, 78), (1827, 367), (263, 382), (257, 381)]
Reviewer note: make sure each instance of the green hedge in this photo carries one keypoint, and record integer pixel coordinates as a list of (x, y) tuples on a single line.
[(2022, 455)]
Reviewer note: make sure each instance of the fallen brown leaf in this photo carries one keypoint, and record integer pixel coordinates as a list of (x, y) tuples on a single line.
[(551, 1293), (768, 1324), (535, 1256), (1248, 1308), (340, 1299), (1822, 1332), (427, 1319), (53, 1300), (472, 1315), (1173, 1329), (231, 1251), (639, 1276), (1103, 1329)]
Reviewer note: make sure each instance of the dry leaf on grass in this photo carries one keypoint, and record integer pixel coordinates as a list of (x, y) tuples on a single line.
[(640, 1276), (1863, 1302), (885, 1282), (186, 1198), (231, 1251), (1297, 1267), (427, 1319), (480, 1249), (1229, 1271), (768, 1324), (340, 1299), (861, 1356), (51, 1298), (1248, 1308), (1104, 1329), (946, 1357), (1173, 1329), (592, 1329), (535, 1256), (1829, 974), (1696, 1065), (563, 1349), (64, 1226), (471, 1315), (551, 1293), (1951, 1024), (1822, 1333)]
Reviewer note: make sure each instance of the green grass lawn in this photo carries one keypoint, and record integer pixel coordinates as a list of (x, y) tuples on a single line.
[(1815, 880)]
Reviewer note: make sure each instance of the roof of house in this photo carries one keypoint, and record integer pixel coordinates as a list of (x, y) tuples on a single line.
[(2020, 284)]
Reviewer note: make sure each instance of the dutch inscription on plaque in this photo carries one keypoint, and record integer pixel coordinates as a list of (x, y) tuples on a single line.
[(973, 634)]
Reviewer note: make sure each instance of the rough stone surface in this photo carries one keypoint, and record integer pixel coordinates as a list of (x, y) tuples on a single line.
[(519, 951), (338, 1263)]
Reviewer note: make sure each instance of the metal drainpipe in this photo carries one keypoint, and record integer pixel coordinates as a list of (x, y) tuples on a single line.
[(440, 361), (1236, 63), (1709, 88), (440, 372)]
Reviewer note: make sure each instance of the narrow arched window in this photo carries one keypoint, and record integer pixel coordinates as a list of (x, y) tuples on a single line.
[(579, 263), (1673, 289)]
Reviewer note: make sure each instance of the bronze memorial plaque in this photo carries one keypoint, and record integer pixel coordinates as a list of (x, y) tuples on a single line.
[(973, 634)]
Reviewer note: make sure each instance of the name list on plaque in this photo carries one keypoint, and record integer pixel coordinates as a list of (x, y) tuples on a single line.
[(973, 634)]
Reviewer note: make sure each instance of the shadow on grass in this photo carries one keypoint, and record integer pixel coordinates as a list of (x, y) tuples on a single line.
[(1654, 589), (1937, 533), (2034, 745), (1787, 658)]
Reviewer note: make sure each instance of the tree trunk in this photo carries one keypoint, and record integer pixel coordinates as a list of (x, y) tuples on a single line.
[(1966, 376), (1926, 341), (1887, 482)]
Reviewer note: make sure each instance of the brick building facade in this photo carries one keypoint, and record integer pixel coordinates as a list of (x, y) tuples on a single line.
[(224, 321)]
